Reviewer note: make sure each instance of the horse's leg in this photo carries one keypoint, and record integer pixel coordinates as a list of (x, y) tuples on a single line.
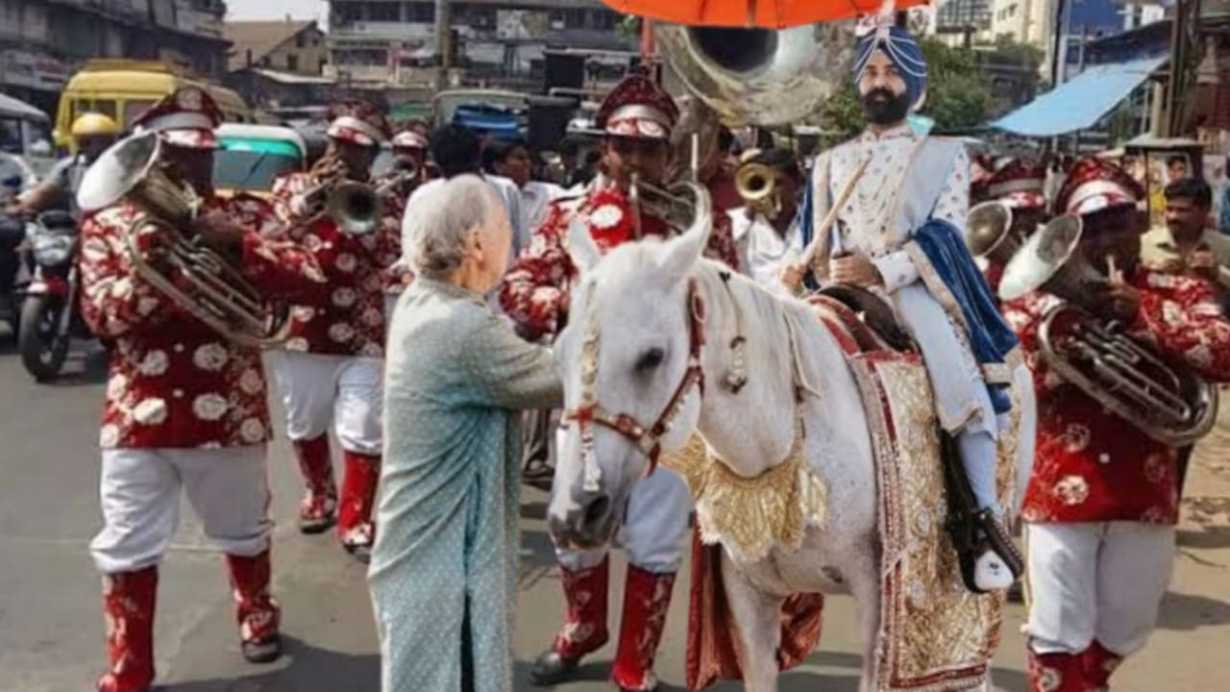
[(863, 574), (758, 616)]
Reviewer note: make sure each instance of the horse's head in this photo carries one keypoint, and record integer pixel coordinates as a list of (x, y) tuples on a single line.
[(631, 375)]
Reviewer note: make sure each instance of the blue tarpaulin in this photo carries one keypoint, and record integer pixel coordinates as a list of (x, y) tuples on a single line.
[(497, 122), (1080, 102)]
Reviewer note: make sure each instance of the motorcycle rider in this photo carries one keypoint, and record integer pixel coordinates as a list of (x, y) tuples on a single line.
[(92, 133)]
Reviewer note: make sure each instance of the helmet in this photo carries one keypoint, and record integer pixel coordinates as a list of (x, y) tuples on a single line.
[(94, 125)]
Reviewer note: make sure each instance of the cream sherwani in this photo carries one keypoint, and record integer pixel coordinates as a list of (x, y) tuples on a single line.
[(910, 179)]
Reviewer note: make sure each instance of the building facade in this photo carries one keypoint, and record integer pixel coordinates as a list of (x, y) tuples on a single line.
[(294, 47), (43, 42), (964, 22), (495, 42), (1024, 21)]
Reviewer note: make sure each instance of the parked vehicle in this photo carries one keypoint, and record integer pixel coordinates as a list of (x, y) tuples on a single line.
[(50, 310), (251, 157), (123, 89), (25, 134)]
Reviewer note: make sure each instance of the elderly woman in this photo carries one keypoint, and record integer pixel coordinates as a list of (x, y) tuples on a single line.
[(444, 569)]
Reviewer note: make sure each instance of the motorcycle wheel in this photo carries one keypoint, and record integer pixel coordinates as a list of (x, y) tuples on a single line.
[(43, 349)]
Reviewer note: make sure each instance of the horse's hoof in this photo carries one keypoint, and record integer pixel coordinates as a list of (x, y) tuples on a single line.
[(551, 669)]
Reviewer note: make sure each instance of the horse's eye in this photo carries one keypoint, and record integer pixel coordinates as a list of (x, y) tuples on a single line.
[(650, 359)]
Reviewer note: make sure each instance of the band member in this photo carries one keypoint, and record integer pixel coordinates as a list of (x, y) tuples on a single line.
[(185, 408), (410, 157), (1017, 184), (766, 231), (332, 366), (637, 117), (408, 173), (1103, 499), (914, 195)]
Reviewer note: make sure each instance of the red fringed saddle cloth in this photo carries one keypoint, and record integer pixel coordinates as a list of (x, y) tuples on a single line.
[(935, 635)]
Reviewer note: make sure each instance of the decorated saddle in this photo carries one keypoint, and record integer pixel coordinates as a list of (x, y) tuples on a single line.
[(935, 633)]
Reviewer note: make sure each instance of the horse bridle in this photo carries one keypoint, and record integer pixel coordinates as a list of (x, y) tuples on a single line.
[(647, 439)]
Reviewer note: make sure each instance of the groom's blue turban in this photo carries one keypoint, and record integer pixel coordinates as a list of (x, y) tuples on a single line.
[(902, 50)]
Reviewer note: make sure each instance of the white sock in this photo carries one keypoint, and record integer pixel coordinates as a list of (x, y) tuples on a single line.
[(991, 573)]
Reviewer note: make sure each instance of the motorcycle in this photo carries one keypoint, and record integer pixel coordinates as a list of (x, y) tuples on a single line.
[(12, 233), (50, 311)]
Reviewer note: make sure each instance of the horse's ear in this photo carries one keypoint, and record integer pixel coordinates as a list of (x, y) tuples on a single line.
[(684, 251), (581, 246)]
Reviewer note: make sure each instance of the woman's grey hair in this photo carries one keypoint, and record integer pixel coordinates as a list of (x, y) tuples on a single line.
[(442, 219)]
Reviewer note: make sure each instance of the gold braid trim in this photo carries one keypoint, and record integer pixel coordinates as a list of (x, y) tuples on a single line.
[(751, 516)]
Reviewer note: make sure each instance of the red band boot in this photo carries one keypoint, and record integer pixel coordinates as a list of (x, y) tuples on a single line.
[(1099, 662), (647, 597), (318, 509), (128, 607), (354, 522), (584, 630), (255, 610), (1056, 672)]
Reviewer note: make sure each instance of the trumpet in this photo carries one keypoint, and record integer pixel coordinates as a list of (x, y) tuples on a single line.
[(677, 205), (355, 207), (756, 183)]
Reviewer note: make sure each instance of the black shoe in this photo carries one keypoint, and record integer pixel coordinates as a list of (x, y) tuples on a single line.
[(551, 669), (265, 651), (314, 526), (359, 551)]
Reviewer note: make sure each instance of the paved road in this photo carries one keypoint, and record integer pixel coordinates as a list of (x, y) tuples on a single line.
[(51, 630)]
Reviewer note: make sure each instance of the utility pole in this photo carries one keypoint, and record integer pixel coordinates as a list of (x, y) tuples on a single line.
[(444, 43)]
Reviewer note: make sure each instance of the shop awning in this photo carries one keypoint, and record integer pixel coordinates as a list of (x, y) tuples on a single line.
[(1080, 102)]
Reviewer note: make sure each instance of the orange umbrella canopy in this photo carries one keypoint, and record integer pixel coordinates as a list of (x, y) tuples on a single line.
[(764, 14)]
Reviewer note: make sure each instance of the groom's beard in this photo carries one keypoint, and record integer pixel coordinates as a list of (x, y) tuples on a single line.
[(883, 107)]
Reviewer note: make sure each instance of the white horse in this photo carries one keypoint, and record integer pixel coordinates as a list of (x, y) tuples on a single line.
[(634, 308)]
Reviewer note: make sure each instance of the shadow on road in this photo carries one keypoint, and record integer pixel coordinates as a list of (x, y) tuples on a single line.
[(1205, 538), (534, 510), (311, 669), (1181, 611)]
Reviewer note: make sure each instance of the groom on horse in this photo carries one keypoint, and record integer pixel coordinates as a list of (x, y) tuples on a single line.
[(898, 236), (637, 117)]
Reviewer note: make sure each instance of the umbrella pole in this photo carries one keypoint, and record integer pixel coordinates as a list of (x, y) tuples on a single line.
[(647, 44)]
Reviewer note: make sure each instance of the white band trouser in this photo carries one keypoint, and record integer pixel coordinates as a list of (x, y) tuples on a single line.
[(1099, 581), (318, 390), (139, 490)]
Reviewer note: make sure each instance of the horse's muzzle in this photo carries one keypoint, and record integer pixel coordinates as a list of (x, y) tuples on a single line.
[(590, 523)]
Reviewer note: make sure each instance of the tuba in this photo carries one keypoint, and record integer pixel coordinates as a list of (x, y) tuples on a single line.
[(1170, 404), (198, 279), (759, 76)]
